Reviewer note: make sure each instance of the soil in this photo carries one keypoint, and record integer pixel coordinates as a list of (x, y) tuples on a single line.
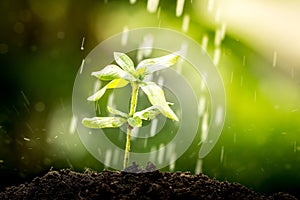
[(132, 183)]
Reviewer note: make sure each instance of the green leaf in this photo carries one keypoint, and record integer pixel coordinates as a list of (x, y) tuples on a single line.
[(110, 72), (96, 96), (135, 121), (148, 113), (156, 97), (155, 64), (116, 112), (116, 83), (125, 62), (103, 122)]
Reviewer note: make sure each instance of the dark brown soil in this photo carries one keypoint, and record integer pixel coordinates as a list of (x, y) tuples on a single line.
[(67, 184)]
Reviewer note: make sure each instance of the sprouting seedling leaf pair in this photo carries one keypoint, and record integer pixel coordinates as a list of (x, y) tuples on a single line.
[(120, 76)]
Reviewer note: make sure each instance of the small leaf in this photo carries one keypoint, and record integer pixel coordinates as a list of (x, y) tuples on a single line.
[(148, 113), (135, 121), (103, 122), (116, 112), (125, 62), (154, 64), (110, 72), (96, 96), (156, 96), (116, 83)]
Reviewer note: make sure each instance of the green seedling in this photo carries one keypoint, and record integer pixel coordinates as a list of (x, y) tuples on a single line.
[(120, 76)]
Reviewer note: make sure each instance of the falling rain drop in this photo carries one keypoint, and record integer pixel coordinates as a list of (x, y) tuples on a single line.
[(218, 38), (81, 66), (179, 7), (217, 54), (29, 127), (231, 77), (218, 15), (161, 154), (108, 155), (172, 162), (198, 168), (27, 139), (295, 146), (185, 23), (124, 37), (152, 155), (242, 80), (234, 138), (204, 42), (274, 59), (82, 44), (153, 128), (204, 127), (244, 60), (152, 5), (145, 48), (25, 98), (222, 155), (132, 1), (254, 96), (210, 5), (219, 115), (73, 124), (201, 106), (116, 156)]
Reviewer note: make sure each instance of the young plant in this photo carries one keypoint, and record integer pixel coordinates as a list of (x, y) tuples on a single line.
[(120, 76)]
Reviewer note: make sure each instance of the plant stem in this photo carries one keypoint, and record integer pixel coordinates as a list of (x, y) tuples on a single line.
[(133, 103)]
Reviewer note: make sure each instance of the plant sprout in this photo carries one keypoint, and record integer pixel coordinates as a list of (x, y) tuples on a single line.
[(120, 76)]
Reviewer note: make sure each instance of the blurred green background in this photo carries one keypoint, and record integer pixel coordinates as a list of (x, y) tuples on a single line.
[(258, 59)]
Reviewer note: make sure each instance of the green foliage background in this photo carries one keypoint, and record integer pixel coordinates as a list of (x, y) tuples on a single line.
[(40, 55)]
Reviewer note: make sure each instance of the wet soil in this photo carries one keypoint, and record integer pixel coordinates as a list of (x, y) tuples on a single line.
[(67, 184)]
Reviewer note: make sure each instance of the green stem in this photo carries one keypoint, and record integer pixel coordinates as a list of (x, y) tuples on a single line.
[(133, 103)]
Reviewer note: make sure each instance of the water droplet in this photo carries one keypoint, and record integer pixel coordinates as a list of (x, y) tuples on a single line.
[(152, 5), (3, 48), (60, 35), (185, 23), (39, 106), (82, 44), (179, 7), (132, 1), (27, 139)]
